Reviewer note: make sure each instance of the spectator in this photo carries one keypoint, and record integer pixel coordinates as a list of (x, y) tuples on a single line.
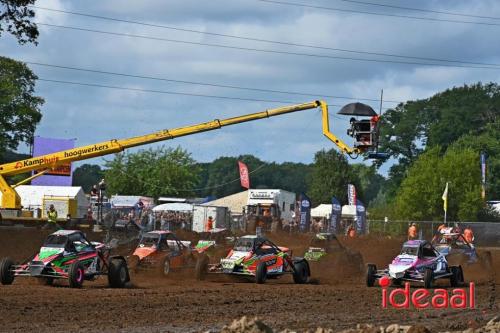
[(412, 231), (94, 192), (210, 224), (468, 234), (351, 231), (52, 219)]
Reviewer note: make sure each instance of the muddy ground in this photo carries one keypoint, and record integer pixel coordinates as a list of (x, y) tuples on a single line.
[(335, 299)]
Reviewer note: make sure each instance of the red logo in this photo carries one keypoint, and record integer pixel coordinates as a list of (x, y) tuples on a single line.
[(18, 165), (425, 298)]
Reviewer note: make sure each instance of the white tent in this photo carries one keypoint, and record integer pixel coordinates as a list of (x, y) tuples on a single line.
[(349, 211), (323, 210), (175, 206)]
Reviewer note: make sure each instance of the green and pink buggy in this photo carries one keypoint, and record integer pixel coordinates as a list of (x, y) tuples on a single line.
[(69, 255)]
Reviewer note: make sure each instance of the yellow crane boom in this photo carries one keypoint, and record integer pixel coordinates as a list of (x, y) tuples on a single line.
[(11, 200)]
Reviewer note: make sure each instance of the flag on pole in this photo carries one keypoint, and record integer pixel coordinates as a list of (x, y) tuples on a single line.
[(351, 194), (445, 198), (483, 175), (244, 175)]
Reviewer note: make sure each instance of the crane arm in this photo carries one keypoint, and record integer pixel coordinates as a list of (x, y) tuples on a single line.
[(11, 200)]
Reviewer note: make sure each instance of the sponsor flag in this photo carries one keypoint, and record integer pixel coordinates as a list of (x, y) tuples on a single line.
[(244, 175), (360, 218), (351, 194), (334, 224), (445, 198), (483, 175), (305, 212)]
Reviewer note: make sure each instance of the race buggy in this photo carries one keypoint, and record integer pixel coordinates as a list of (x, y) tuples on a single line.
[(67, 254), (418, 261), (326, 251), (257, 257), (162, 250), (214, 243), (454, 247)]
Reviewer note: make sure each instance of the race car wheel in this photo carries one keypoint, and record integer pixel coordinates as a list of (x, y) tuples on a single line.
[(455, 278), (76, 274), (301, 272), (261, 273), (117, 273), (370, 275), (165, 266), (428, 278), (6, 273), (201, 267)]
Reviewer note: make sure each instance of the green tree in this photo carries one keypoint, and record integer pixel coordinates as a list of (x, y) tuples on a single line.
[(15, 17), (368, 180), (153, 172), (87, 175), (438, 121), (330, 175), (419, 197), (489, 143), (19, 108), (221, 177)]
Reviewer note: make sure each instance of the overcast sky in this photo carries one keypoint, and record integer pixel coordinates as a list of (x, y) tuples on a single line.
[(93, 114)]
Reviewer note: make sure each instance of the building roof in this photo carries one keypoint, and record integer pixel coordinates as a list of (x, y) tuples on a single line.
[(235, 202), (171, 199), (129, 200), (175, 206)]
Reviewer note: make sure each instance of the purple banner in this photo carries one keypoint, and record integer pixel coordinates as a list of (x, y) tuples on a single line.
[(360, 218), (334, 224), (62, 175), (305, 213)]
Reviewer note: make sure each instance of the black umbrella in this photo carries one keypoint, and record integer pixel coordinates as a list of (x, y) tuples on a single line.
[(357, 109)]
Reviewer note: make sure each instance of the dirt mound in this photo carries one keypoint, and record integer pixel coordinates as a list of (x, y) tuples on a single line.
[(244, 325)]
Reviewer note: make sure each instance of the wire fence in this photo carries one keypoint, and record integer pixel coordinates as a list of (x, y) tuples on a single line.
[(485, 233)]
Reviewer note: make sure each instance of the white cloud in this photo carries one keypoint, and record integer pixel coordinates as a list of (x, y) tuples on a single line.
[(95, 114)]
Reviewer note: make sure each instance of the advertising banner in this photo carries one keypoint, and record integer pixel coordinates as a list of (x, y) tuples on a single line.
[(305, 213), (61, 175), (483, 175), (360, 218), (351, 194), (334, 224)]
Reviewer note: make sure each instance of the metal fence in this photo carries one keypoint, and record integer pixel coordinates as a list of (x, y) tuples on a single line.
[(485, 233)]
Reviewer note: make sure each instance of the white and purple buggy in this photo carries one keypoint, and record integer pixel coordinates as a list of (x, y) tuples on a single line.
[(418, 261)]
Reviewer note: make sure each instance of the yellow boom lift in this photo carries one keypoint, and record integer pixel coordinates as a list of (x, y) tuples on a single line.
[(42, 164)]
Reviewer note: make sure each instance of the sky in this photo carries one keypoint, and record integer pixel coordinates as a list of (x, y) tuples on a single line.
[(94, 114)]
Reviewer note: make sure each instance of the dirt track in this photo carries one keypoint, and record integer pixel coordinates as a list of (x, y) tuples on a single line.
[(179, 305)]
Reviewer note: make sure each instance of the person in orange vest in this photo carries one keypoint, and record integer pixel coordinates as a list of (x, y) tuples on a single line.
[(412, 231), (351, 231), (210, 224), (468, 234)]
